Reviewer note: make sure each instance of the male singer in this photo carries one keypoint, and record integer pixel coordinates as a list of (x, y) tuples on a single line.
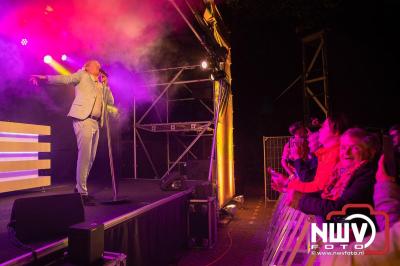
[(92, 94)]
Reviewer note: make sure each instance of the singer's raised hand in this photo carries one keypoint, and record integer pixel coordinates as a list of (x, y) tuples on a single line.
[(34, 79)]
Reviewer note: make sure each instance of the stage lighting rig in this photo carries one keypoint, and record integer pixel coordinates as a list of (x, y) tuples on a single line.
[(216, 68), (218, 75)]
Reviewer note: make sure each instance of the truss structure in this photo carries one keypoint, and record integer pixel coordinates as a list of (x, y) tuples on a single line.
[(211, 34), (315, 74), (165, 125)]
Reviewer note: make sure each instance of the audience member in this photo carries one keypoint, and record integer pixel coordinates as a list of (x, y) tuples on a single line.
[(307, 167), (327, 157), (352, 180), (387, 199), (295, 148)]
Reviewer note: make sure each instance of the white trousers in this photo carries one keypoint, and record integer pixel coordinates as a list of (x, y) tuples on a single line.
[(87, 138)]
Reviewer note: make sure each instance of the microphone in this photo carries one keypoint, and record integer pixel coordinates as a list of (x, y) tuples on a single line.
[(103, 74)]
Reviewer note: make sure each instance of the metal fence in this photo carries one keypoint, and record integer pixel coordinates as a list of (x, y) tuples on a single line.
[(287, 237), (273, 147)]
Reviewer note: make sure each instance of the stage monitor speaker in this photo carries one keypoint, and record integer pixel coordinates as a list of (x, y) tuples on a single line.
[(174, 181), (202, 219), (45, 217), (86, 243)]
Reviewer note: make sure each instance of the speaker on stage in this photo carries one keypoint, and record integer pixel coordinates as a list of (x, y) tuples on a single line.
[(174, 181), (86, 243), (45, 217), (202, 222)]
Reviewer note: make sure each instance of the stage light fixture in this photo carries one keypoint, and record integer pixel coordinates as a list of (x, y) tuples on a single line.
[(204, 64), (47, 59), (24, 41), (218, 75), (230, 209), (64, 57), (239, 199)]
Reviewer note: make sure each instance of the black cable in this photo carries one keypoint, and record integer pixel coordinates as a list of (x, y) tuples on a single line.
[(225, 252)]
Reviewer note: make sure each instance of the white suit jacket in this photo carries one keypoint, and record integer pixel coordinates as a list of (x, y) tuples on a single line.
[(85, 93)]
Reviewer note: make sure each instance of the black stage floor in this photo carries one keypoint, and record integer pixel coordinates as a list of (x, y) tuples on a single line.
[(140, 192)]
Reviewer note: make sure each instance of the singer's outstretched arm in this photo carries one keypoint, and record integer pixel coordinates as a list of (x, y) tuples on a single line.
[(74, 78)]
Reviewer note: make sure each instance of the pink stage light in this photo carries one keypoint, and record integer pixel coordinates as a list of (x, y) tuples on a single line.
[(24, 41), (64, 57), (47, 59)]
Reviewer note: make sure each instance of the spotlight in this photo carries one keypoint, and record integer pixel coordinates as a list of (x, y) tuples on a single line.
[(218, 75), (24, 41), (239, 199), (230, 209), (204, 64), (64, 57), (47, 59)]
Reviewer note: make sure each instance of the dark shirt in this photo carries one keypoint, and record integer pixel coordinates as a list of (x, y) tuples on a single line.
[(359, 190), (306, 169)]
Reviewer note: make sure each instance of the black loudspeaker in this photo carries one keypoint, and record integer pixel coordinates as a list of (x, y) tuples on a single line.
[(46, 217), (86, 243), (174, 181)]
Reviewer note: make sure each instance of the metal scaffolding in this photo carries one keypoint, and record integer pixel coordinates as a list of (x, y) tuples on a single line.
[(196, 129), (315, 74), (218, 124)]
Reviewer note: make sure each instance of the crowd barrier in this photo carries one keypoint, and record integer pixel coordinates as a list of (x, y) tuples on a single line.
[(287, 237), (273, 147)]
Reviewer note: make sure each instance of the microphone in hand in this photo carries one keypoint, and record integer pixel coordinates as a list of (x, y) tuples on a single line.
[(103, 77)]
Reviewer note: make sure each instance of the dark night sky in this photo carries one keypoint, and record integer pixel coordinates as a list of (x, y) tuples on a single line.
[(267, 58)]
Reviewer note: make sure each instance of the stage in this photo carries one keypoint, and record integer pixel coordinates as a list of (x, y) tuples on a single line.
[(151, 229)]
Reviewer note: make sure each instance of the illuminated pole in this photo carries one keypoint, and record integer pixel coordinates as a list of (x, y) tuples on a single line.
[(134, 139), (213, 147)]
